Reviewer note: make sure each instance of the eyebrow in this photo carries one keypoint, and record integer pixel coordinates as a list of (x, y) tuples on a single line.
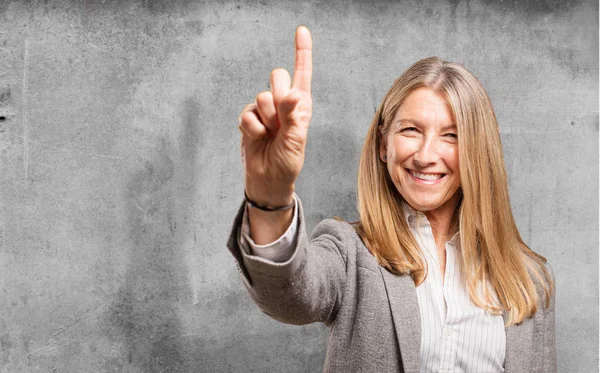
[(418, 123)]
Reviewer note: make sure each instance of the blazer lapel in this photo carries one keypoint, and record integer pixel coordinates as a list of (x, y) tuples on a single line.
[(404, 306)]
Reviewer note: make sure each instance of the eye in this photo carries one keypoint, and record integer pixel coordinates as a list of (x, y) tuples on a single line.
[(451, 135), (409, 129)]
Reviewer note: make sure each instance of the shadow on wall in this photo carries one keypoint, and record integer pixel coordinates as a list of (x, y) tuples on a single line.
[(144, 319)]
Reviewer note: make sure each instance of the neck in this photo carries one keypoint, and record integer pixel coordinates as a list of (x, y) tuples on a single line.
[(443, 220)]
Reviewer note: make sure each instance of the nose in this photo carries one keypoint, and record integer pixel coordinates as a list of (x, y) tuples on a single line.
[(427, 153)]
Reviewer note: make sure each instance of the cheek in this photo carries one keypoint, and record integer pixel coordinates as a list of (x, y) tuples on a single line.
[(450, 157), (400, 149), (398, 152)]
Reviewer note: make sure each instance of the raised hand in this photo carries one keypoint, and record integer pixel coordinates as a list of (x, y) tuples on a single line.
[(274, 130)]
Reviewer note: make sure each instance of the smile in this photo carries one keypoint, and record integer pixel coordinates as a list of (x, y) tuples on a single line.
[(425, 176)]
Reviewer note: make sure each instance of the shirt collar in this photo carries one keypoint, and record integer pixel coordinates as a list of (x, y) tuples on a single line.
[(411, 215), (416, 219)]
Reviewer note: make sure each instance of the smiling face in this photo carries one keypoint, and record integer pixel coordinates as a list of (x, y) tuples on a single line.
[(421, 147)]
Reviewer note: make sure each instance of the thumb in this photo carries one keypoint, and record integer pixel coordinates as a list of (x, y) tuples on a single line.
[(291, 113)]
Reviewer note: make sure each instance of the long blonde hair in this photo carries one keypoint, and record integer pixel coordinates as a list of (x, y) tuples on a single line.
[(491, 246)]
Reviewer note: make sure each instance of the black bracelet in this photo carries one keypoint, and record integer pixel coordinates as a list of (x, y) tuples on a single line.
[(265, 208)]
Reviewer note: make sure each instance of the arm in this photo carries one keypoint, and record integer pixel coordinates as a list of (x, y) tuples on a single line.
[(274, 129), (306, 288)]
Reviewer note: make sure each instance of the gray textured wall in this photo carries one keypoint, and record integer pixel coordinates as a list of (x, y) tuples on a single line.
[(120, 171)]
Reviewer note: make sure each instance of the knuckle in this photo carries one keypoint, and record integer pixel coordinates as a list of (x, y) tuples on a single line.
[(277, 71), (264, 95), (258, 172), (248, 108), (264, 98), (246, 117), (245, 130)]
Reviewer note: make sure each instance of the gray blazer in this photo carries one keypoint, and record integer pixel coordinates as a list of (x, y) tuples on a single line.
[(372, 314)]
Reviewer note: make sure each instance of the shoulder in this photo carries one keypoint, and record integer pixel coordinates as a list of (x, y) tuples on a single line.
[(345, 237), (542, 275), (540, 270), (342, 233), (337, 235), (338, 229), (335, 232)]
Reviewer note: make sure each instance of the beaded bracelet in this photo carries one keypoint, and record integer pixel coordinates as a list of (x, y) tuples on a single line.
[(265, 208)]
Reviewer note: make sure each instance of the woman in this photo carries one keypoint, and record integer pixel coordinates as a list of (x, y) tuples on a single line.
[(434, 276)]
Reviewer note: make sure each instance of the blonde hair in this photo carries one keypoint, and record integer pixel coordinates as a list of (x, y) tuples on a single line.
[(492, 249)]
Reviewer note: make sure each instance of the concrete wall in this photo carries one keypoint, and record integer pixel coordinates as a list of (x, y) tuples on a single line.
[(120, 169)]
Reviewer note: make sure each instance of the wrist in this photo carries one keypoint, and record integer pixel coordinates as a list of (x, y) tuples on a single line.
[(268, 226), (267, 208), (267, 199)]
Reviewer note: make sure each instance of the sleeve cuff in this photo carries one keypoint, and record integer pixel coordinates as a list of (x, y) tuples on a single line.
[(280, 250)]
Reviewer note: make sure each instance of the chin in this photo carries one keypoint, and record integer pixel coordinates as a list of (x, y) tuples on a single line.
[(424, 207), (427, 204)]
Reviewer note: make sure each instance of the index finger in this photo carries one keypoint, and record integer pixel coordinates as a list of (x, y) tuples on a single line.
[(303, 67)]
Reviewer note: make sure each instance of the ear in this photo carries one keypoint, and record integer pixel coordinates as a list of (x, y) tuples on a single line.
[(382, 146)]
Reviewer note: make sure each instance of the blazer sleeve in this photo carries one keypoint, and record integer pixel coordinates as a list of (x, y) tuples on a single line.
[(306, 288)]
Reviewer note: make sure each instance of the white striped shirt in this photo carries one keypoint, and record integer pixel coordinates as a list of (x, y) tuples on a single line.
[(456, 335)]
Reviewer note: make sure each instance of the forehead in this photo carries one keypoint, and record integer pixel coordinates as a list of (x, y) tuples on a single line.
[(424, 104)]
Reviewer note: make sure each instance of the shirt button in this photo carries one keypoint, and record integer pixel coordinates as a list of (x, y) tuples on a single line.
[(447, 331)]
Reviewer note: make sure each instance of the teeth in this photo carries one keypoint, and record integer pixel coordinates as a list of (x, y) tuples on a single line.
[(429, 177)]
